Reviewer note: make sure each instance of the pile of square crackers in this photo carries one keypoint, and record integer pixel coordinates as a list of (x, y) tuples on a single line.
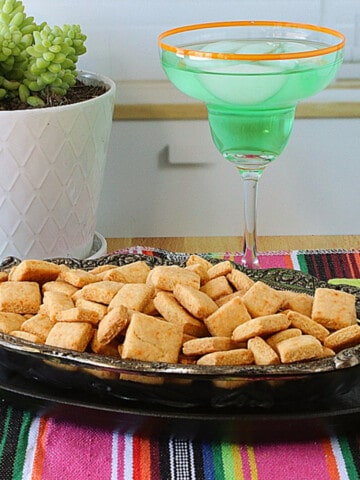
[(200, 313)]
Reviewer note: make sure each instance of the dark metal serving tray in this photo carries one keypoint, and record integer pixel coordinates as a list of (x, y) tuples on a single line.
[(61, 377)]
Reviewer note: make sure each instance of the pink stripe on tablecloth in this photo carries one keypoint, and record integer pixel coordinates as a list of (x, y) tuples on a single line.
[(268, 260), (76, 452), (276, 260), (246, 467), (298, 461)]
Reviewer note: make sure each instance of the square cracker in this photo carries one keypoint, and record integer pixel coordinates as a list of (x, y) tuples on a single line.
[(54, 302), (112, 324), (307, 325), (39, 325), (78, 314), (30, 337), (239, 280), (227, 317), (344, 338), (171, 310), (10, 321), (194, 301), (261, 299), (202, 346), (197, 259), (296, 349), (220, 269), (148, 338), (77, 277), (238, 356), (217, 287), (298, 302), (135, 272), (101, 292), (261, 327), (166, 277), (99, 309), (70, 335), (20, 297), (39, 271), (262, 351), (134, 296), (59, 286), (334, 309)]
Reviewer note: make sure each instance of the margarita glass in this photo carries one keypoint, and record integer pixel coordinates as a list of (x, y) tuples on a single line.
[(251, 76)]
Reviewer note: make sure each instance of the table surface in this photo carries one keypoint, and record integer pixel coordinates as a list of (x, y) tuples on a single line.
[(226, 244)]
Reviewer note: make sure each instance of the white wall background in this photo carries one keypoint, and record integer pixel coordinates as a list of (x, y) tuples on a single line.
[(122, 33), (313, 188)]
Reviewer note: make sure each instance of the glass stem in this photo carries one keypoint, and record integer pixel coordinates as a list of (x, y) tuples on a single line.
[(250, 180)]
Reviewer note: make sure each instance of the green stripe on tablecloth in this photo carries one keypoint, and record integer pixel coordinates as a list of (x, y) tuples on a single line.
[(302, 262), (5, 429), (218, 461), (350, 465), (13, 442), (22, 445)]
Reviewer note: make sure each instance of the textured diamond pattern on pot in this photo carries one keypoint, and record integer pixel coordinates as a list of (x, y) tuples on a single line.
[(36, 215), (9, 217), (52, 178), (23, 194), (10, 172)]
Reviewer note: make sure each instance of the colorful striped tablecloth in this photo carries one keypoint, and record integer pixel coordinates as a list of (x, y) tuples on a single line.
[(46, 448)]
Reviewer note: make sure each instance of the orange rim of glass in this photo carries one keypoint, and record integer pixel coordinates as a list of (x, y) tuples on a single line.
[(242, 56)]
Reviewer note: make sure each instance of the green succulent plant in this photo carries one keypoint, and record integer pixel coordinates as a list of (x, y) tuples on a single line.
[(36, 60)]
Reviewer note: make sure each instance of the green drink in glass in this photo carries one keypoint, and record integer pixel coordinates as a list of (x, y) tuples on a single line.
[(251, 75)]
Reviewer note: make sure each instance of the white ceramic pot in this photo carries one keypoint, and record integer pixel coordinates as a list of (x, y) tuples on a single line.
[(52, 166)]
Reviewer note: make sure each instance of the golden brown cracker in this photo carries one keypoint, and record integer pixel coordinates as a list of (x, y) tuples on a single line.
[(20, 297), (261, 299), (134, 296), (262, 351), (148, 338), (166, 277), (112, 324), (239, 280), (39, 325), (220, 269), (261, 326), (10, 321), (110, 349), (217, 287), (78, 314), (307, 325), (344, 338), (298, 302), (239, 356), (70, 335), (135, 272), (295, 349), (194, 301), (226, 318), (59, 286), (171, 310), (99, 309), (334, 309), (29, 337), (201, 346), (39, 271), (77, 277), (198, 259), (102, 291), (274, 339), (54, 302)]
